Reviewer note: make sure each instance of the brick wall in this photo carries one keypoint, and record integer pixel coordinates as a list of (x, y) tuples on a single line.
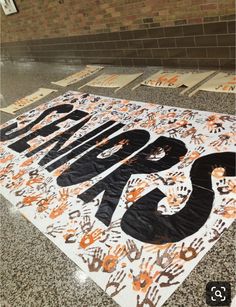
[(57, 18), (195, 33)]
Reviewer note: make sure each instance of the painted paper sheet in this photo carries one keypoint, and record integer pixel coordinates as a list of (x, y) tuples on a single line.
[(113, 80), (175, 79), (195, 78), (166, 79), (134, 193), (222, 82), (88, 71), (27, 100), (8, 7)]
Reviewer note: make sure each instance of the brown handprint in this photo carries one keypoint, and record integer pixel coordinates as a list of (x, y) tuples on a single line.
[(167, 257), (97, 259), (178, 197), (54, 229), (151, 299), (112, 234), (146, 276), (171, 272), (191, 252), (133, 253), (198, 139), (223, 140), (217, 230), (173, 178), (86, 224), (113, 286)]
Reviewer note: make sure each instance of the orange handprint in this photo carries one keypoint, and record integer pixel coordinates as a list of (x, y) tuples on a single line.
[(59, 210), (90, 237), (28, 200), (146, 276), (110, 261)]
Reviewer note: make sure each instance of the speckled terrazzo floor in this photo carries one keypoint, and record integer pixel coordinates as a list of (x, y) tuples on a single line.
[(34, 272)]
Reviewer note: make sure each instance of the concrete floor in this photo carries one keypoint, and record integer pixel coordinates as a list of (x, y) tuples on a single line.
[(34, 272)]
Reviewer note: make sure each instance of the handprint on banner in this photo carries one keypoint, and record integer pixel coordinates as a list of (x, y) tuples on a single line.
[(188, 114), (34, 181), (96, 256), (43, 205), (192, 251), (90, 237), (164, 259), (14, 185), (133, 252), (214, 124), (114, 256), (180, 127), (177, 197), (112, 234), (143, 280), (86, 224), (54, 229), (174, 178), (191, 157), (226, 186), (29, 200), (6, 158), (195, 138), (198, 139), (170, 272), (63, 195), (227, 208), (113, 286), (59, 210), (151, 298), (135, 188), (216, 231), (223, 140), (18, 175)]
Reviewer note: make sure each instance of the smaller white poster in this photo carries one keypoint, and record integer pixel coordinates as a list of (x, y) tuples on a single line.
[(78, 76), (27, 100), (195, 78), (8, 7), (222, 82), (113, 80), (166, 79)]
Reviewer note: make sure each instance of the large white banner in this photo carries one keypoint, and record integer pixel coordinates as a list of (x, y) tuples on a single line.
[(134, 193)]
